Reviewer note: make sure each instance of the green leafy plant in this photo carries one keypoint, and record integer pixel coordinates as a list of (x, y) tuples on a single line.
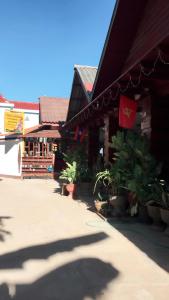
[(78, 155), (70, 173), (137, 168), (133, 169), (106, 179)]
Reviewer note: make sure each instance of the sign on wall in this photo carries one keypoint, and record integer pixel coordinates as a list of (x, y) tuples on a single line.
[(14, 121)]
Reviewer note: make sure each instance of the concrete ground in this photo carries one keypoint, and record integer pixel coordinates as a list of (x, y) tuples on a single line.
[(52, 247)]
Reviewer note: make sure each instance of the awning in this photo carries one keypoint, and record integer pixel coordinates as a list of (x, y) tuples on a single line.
[(43, 133)]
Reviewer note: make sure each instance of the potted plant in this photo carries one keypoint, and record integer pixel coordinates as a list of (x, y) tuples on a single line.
[(154, 203), (138, 166), (109, 179), (101, 203), (85, 179), (70, 174), (84, 174)]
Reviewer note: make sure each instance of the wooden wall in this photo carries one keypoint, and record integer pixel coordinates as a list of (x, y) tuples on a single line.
[(155, 124), (160, 131)]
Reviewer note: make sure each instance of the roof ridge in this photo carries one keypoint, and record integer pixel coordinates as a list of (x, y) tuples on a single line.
[(84, 66), (19, 101)]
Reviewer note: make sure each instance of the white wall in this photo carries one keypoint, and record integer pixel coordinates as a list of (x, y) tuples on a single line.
[(10, 157), (10, 150), (31, 119)]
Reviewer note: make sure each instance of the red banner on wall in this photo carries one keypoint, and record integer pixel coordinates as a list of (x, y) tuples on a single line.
[(80, 134), (127, 112), (76, 134)]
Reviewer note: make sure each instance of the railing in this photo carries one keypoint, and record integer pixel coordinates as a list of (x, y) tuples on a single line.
[(37, 167)]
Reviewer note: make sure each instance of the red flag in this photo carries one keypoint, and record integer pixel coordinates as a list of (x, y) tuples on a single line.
[(79, 134), (83, 135), (76, 133), (127, 112)]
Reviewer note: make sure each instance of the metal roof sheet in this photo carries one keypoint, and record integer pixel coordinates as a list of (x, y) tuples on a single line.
[(87, 75)]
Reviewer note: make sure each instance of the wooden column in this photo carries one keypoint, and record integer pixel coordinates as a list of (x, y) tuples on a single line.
[(93, 145), (38, 148), (106, 139), (113, 128), (146, 116)]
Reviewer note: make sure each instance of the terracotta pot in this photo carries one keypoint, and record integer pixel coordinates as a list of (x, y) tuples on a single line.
[(71, 188), (99, 204), (165, 218), (155, 215)]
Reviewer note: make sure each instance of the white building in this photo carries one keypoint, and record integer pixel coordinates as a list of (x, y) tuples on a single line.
[(31, 112), (10, 145)]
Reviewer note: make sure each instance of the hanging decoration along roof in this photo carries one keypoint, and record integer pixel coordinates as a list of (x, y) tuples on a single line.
[(112, 92)]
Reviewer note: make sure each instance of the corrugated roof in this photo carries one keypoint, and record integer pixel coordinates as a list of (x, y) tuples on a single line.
[(87, 75), (82, 87), (25, 105), (53, 110)]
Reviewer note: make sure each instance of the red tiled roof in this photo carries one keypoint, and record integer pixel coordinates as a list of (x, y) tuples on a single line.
[(53, 110), (48, 131), (3, 99), (25, 105), (33, 128)]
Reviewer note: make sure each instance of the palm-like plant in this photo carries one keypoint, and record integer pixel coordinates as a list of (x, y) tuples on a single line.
[(133, 169), (134, 161), (70, 173)]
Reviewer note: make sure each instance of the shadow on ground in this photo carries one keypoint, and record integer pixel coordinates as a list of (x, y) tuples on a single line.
[(3, 232), (154, 243), (17, 258), (87, 199), (83, 196), (81, 279), (57, 190), (87, 277)]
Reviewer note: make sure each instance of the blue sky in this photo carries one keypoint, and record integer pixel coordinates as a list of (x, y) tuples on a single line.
[(41, 40)]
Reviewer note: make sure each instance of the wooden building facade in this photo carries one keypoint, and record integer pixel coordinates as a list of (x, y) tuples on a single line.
[(42, 143), (134, 63)]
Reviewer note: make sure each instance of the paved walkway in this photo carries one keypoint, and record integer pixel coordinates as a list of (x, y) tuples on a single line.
[(55, 248)]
